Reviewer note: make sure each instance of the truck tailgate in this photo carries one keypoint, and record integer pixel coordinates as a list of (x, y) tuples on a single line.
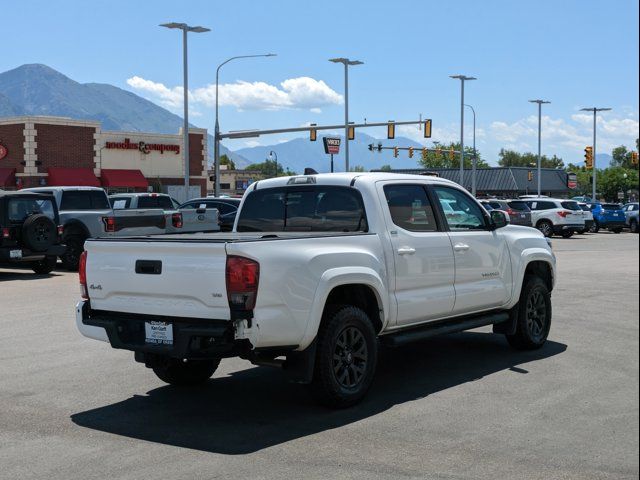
[(140, 221), (174, 278)]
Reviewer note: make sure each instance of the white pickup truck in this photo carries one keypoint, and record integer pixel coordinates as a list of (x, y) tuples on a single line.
[(318, 272)]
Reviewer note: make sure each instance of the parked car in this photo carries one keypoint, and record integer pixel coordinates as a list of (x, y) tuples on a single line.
[(485, 204), (556, 216), (588, 218), (320, 269), (30, 231), (631, 216), (607, 215), (177, 220), (226, 206), (85, 212), (519, 212)]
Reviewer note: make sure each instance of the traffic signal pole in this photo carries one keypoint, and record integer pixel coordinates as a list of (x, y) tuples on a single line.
[(595, 170)]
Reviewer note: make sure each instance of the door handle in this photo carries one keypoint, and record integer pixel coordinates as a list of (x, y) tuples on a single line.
[(406, 251), (461, 247)]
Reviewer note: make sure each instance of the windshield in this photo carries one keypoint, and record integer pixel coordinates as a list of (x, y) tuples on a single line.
[(21, 208), (303, 209)]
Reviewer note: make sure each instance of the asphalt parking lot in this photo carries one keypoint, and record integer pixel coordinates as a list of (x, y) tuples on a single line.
[(460, 406)]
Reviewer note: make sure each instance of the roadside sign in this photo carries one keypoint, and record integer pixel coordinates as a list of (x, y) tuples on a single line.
[(572, 180), (620, 195), (331, 145)]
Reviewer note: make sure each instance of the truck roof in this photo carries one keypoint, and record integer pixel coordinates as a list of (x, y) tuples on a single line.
[(345, 179)]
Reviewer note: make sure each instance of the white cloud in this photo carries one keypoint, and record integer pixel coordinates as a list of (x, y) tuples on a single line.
[(294, 93)]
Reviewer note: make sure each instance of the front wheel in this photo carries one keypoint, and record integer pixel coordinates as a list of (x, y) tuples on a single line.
[(44, 266), (194, 372), (534, 315), (346, 358), (633, 226)]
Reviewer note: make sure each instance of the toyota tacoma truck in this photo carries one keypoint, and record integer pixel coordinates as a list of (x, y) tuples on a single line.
[(319, 271)]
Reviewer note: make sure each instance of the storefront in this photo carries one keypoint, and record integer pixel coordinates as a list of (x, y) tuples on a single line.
[(54, 151)]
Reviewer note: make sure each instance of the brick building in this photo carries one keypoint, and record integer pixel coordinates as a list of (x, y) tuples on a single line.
[(38, 151)]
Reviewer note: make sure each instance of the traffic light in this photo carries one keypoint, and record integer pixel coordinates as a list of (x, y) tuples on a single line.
[(634, 158), (313, 133), (451, 154), (424, 154), (530, 176), (351, 133), (391, 130), (427, 129), (371, 147), (410, 152), (395, 152), (379, 146), (588, 157)]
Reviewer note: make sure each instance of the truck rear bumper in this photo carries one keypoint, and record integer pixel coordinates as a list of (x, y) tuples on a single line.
[(193, 338)]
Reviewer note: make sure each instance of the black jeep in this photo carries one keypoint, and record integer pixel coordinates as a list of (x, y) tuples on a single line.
[(29, 232)]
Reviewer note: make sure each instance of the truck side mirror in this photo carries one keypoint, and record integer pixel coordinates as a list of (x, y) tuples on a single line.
[(499, 219)]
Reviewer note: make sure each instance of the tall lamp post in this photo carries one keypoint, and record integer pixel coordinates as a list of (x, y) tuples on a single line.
[(346, 62), (216, 133), (595, 111), (539, 102), (273, 156), (474, 163), (185, 86), (462, 79)]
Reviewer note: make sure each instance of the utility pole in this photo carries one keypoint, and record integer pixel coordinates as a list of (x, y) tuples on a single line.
[(185, 86), (595, 111), (346, 62), (462, 79), (539, 102)]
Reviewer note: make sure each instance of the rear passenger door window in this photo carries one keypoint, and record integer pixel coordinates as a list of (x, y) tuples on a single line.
[(410, 208)]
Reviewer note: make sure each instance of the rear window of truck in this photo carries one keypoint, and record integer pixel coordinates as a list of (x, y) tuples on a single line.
[(84, 200), (152, 201), (314, 208)]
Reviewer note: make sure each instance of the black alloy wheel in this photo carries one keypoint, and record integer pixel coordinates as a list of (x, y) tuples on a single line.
[(536, 316), (350, 357)]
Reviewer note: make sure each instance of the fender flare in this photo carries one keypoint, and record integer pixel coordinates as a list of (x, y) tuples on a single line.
[(337, 277), (526, 257), (76, 224)]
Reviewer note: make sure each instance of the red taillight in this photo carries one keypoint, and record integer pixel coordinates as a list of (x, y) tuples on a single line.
[(564, 214), (82, 275), (511, 212), (176, 220), (109, 224), (242, 276), (6, 233)]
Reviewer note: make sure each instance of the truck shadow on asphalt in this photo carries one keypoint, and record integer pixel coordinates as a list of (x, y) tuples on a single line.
[(257, 408)]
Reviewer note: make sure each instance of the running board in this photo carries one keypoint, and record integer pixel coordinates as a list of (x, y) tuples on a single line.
[(443, 327)]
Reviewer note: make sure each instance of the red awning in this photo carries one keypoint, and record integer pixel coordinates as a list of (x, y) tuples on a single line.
[(7, 177), (80, 177), (123, 178)]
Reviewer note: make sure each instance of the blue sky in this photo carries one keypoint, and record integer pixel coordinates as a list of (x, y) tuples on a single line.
[(574, 53)]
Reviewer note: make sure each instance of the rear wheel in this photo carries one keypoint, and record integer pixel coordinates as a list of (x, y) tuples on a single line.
[(534, 315), (546, 227), (44, 266), (633, 226), (71, 256), (346, 358), (177, 372)]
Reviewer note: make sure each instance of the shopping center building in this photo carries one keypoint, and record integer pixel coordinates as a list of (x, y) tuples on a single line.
[(56, 151)]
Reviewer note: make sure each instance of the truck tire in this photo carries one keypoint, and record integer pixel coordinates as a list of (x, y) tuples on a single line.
[(633, 225), (71, 256), (177, 372), (44, 266), (533, 315), (546, 227), (346, 357)]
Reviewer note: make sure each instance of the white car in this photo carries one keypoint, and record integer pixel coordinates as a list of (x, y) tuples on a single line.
[(556, 216), (318, 271), (588, 217)]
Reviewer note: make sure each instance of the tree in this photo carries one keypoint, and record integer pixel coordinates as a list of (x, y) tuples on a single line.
[(433, 160), (268, 169), (386, 168), (225, 160), (621, 157), (616, 179), (357, 168), (511, 158)]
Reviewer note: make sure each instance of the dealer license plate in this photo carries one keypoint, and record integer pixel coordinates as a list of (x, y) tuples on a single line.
[(158, 333), (15, 254)]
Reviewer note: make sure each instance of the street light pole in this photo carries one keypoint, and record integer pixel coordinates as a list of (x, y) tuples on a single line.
[(216, 131), (595, 111), (185, 86), (474, 163), (346, 62), (274, 156), (462, 79), (539, 102)]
